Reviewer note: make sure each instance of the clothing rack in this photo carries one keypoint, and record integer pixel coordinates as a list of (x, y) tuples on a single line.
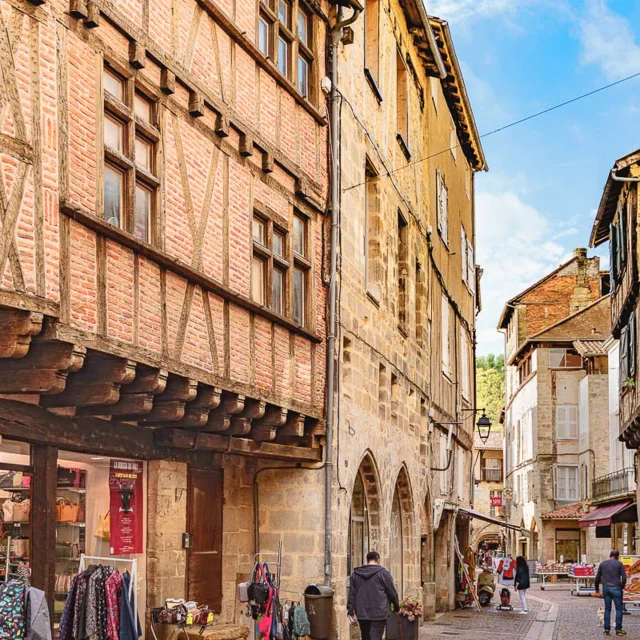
[(109, 561), (262, 557)]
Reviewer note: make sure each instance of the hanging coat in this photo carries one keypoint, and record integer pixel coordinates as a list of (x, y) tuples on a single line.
[(37, 614), (129, 622)]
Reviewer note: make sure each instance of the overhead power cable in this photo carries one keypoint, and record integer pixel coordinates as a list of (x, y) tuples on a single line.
[(507, 126)]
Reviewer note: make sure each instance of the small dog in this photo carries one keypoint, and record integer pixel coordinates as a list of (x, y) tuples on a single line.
[(600, 616)]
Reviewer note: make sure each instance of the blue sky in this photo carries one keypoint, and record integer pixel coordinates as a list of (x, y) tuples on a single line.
[(538, 201)]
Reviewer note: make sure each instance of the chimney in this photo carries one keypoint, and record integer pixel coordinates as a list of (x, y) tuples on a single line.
[(580, 252), (582, 295)]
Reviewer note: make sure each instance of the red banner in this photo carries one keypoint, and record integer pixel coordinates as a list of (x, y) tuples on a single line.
[(126, 507), (496, 501)]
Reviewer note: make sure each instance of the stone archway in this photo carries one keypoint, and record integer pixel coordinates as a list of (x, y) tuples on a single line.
[(402, 541), (364, 513)]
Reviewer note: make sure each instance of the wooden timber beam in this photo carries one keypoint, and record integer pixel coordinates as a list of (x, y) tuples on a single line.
[(35, 424), (197, 411), (241, 425), (136, 398), (97, 383), (16, 328), (43, 370), (293, 428), (170, 405), (265, 428), (198, 440), (231, 404)]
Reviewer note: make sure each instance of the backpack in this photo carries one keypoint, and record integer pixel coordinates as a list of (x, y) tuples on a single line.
[(301, 626)]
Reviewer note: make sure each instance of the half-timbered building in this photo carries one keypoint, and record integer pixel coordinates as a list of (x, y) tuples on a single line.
[(163, 179)]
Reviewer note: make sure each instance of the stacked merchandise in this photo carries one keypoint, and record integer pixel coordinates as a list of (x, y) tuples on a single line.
[(23, 612), (286, 621), (554, 567), (179, 612), (100, 605), (583, 570), (15, 513)]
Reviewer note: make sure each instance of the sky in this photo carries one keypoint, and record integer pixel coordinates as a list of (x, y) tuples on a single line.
[(538, 200)]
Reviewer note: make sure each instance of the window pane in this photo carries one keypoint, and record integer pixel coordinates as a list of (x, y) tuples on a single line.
[(263, 36), (258, 230), (278, 243), (277, 301), (113, 133), (112, 195), (303, 76), (303, 27), (283, 56), (113, 84), (283, 11), (142, 107), (299, 236), (142, 214), (298, 295), (143, 154), (257, 280)]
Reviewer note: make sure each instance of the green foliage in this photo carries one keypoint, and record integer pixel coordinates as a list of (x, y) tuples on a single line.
[(490, 385)]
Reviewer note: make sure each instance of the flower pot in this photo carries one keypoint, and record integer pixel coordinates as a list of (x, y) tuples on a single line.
[(409, 629)]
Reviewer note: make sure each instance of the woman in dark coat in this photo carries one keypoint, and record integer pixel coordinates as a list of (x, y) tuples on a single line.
[(522, 582)]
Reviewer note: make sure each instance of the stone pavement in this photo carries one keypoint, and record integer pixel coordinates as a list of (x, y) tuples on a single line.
[(554, 614)]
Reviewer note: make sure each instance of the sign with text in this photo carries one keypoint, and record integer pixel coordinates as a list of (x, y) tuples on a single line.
[(126, 507), (496, 501), (631, 591)]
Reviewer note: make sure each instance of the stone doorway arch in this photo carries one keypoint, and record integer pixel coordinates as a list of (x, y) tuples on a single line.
[(402, 541)]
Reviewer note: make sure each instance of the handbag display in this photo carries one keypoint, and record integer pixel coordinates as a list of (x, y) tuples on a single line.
[(103, 530), (243, 591), (21, 547), (66, 511), (14, 511)]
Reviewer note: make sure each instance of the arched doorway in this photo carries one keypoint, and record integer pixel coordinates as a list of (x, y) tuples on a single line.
[(364, 514), (396, 547), (358, 526), (403, 558)]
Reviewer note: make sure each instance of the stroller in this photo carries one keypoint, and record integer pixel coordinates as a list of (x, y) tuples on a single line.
[(505, 600)]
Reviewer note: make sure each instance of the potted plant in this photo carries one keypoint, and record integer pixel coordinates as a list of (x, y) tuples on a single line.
[(408, 618)]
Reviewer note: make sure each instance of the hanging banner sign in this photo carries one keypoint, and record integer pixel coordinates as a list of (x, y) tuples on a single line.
[(126, 507), (496, 501)]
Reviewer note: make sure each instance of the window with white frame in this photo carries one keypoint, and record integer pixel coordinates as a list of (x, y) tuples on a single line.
[(564, 359), (464, 364), (566, 482), (446, 346), (471, 267), (442, 207), (567, 422)]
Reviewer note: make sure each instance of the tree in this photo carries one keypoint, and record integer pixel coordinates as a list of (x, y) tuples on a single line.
[(490, 385)]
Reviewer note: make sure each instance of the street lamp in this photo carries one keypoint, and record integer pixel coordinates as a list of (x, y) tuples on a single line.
[(484, 427)]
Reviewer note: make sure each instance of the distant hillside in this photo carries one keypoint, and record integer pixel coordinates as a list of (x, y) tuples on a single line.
[(490, 386)]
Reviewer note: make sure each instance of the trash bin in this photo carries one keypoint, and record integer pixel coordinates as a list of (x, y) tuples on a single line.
[(318, 601)]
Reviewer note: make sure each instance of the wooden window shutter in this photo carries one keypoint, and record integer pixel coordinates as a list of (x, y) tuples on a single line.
[(632, 344), (624, 354), (613, 250), (622, 236)]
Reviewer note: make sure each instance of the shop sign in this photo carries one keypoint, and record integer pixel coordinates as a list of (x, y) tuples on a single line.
[(631, 591), (126, 507), (507, 493), (496, 501)]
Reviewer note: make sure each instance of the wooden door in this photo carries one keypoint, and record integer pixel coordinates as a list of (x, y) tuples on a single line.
[(204, 557)]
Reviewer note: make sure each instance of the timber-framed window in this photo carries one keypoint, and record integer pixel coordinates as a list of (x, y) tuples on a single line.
[(286, 37), (131, 138), (270, 264), (301, 268)]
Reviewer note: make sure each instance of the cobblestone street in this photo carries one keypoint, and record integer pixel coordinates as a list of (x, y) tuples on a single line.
[(554, 614)]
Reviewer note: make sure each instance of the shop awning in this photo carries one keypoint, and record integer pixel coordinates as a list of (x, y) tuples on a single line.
[(601, 516), (481, 516)]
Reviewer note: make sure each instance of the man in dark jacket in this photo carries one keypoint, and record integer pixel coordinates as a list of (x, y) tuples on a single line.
[(612, 575), (371, 592)]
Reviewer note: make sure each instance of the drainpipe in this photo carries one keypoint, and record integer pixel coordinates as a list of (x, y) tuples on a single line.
[(618, 178), (336, 34)]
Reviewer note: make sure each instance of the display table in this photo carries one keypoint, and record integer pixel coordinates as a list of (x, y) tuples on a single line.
[(543, 575), (210, 631), (581, 585)]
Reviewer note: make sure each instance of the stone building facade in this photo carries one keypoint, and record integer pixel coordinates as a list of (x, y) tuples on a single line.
[(163, 179), (556, 413), (407, 302), (488, 495)]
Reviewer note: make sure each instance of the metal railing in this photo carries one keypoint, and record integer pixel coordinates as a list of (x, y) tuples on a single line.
[(618, 483), (492, 475)]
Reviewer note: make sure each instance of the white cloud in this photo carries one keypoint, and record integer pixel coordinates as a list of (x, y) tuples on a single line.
[(461, 9), (607, 40), (516, 246)]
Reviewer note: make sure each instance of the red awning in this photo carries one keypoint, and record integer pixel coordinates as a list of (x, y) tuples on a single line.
[(601, 516)]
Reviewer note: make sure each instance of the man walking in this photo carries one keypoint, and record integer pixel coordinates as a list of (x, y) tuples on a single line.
[(370, 593), (612, 575)]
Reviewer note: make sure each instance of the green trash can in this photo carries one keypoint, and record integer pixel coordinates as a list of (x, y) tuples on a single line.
[(318, 602)]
